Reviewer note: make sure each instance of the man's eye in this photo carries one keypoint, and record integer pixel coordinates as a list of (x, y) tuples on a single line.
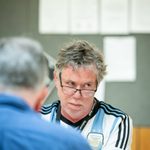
[(71, 84), (87, 85)]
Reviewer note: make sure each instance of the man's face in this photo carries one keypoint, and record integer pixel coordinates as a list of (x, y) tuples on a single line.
[(76, 88)]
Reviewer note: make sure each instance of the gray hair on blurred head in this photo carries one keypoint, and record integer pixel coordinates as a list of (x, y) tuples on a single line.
[(22, 63)]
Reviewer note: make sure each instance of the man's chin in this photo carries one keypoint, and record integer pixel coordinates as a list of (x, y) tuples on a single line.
[(74, 107)]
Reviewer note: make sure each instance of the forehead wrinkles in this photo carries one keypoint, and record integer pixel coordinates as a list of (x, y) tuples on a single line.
[(71, 72)]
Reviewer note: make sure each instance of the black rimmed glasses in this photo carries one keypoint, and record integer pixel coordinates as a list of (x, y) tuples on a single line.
[(71, 90)]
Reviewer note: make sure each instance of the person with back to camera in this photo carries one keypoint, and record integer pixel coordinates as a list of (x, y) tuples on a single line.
[(23, 72), (78, 71)]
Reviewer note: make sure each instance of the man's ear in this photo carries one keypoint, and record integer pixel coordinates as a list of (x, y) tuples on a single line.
[(56, 78), (42, 94)]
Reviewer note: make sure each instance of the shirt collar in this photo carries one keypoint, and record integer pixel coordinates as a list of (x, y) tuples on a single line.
[(13, 101)]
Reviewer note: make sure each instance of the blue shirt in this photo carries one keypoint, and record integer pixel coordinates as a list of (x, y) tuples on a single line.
[(21, 128)]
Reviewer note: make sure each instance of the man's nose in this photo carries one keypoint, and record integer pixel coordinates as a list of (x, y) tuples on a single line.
[(78, 93)]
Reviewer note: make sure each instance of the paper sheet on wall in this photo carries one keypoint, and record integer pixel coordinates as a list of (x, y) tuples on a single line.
[(84, 16), (120, 56), (114, 17), (53, 16), (140, 16)]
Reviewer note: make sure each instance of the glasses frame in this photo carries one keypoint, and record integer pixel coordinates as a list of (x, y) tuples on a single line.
[(80, 90)]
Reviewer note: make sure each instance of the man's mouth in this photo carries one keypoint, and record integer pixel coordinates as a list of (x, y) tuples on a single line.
[(75, 106)]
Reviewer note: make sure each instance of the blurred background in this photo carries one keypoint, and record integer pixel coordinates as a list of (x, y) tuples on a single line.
[(121, 29)]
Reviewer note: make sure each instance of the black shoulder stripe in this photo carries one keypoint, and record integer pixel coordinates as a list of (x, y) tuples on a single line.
[(46, 109), (123, 134), (127, 138), (112, 110)]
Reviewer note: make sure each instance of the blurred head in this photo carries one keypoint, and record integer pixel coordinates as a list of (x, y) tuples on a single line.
[(23, 65), (79, 69)]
